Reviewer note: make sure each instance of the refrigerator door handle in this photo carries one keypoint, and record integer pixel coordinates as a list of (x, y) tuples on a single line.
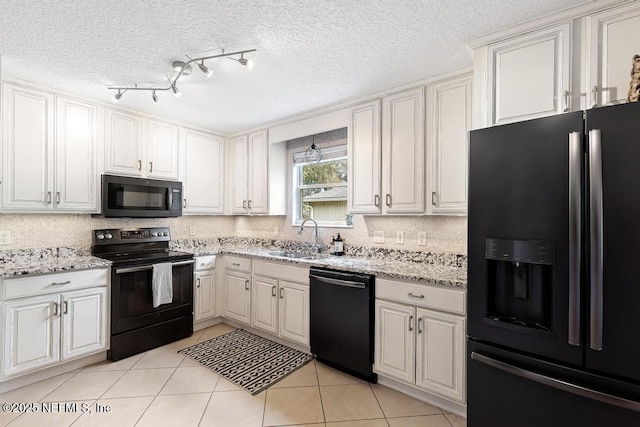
[(557, 383), (596, 238), (575, 227)]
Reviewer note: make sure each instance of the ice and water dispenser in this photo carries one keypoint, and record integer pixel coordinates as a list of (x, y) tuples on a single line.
[(520, 284)]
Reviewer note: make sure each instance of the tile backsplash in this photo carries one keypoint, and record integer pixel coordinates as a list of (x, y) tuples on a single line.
[(445, 234)]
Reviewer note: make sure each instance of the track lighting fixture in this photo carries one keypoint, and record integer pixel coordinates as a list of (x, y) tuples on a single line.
[(175, 90), (207, 71), (118, 95), (244, 61), (184, 68)]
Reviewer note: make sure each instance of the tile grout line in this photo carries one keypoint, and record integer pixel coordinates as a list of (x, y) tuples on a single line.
[(315, 368), (204, 411), (378, 402)]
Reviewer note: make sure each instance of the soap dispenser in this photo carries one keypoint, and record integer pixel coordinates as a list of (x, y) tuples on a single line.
[(338, 248)]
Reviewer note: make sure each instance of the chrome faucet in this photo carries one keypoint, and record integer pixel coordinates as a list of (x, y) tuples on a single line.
[(317, 246)]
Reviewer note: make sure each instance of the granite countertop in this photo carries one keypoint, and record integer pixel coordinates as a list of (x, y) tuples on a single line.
[(434, 273), (51, 265), (440, 269)]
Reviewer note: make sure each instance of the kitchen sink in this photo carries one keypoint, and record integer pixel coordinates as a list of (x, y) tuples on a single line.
[(286, 254)]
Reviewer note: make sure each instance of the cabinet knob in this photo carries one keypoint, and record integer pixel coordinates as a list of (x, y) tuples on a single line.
[(57, 197), (434, 198), (273, 291), (198, 282), (410, 323), (184, 203), (150, 167), (594, 95), (388, 200), (140, 165), (419, 325), (376, 200), (246, 285), (567, 100)]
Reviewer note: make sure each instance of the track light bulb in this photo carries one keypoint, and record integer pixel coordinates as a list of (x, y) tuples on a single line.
[(175, 90), (117, 96), (155, 97), (246, 62), (207, 71)]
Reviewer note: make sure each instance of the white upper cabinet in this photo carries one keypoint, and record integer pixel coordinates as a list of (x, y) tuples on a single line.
[(162, 150), (403, 152), (249, 175), (448, 125), (530, 75), (365, 158), (48, 164), (124, 144), (141, 147), (387, 157), (613, 43), (77, 175), (203, 172)]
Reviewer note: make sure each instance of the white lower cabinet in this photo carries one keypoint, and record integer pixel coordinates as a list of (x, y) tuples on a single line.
[(420, 346), (280, 300), (204, 293), (41, 331), (237, 287)]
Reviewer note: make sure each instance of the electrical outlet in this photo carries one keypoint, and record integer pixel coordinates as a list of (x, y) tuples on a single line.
[(422, 238), (5, 237), (192, 230), (276, 232), (378, 237), (400, 237)]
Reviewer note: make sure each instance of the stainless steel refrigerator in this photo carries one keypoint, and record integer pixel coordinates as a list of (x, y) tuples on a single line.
[(554, 271)]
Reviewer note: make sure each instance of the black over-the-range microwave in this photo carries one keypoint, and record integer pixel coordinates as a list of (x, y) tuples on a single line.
[(130, 197)]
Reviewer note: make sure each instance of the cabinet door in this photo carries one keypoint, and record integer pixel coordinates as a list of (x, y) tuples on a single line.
[(205, 295), (27, 149), (440, 354), (258, 173), (203, 175), (395, 341), (237, 303), (123, 144), (264, 304), (84, 322), (614, 42), (529, 76), (294, 312), (404, 152), (449, 121), (239, 174), (31, 334), (162, 150), (365, 159), (76, 168)]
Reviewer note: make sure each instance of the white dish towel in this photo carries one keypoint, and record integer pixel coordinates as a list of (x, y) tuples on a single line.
[(162, 284)]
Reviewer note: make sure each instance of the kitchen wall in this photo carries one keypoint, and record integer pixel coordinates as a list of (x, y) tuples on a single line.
[(46, 231), (446, 234)]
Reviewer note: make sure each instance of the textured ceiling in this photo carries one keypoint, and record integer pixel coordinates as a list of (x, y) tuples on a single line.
[(310, 54)]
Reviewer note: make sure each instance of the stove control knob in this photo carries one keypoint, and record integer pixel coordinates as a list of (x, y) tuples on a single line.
[(108, 236), (165, 234), (154, 234), (100, 236)]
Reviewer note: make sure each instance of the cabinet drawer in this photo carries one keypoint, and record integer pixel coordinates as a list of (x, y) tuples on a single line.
[(428, 296), (281, 271), (237, 263), (206, 262), (51, 283)]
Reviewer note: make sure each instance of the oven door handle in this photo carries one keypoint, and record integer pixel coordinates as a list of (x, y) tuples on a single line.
[(150, 267)]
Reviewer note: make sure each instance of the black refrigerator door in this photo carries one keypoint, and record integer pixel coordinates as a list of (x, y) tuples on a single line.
[(519, 281), (613, 206)]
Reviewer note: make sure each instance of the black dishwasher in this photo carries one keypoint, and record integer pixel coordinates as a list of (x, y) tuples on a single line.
[(341, 325)]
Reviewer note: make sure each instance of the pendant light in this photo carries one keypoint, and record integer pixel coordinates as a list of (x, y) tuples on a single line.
[(312, 155)]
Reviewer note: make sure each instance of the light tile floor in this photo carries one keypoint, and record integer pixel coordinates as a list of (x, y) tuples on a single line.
[(163, 388)]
